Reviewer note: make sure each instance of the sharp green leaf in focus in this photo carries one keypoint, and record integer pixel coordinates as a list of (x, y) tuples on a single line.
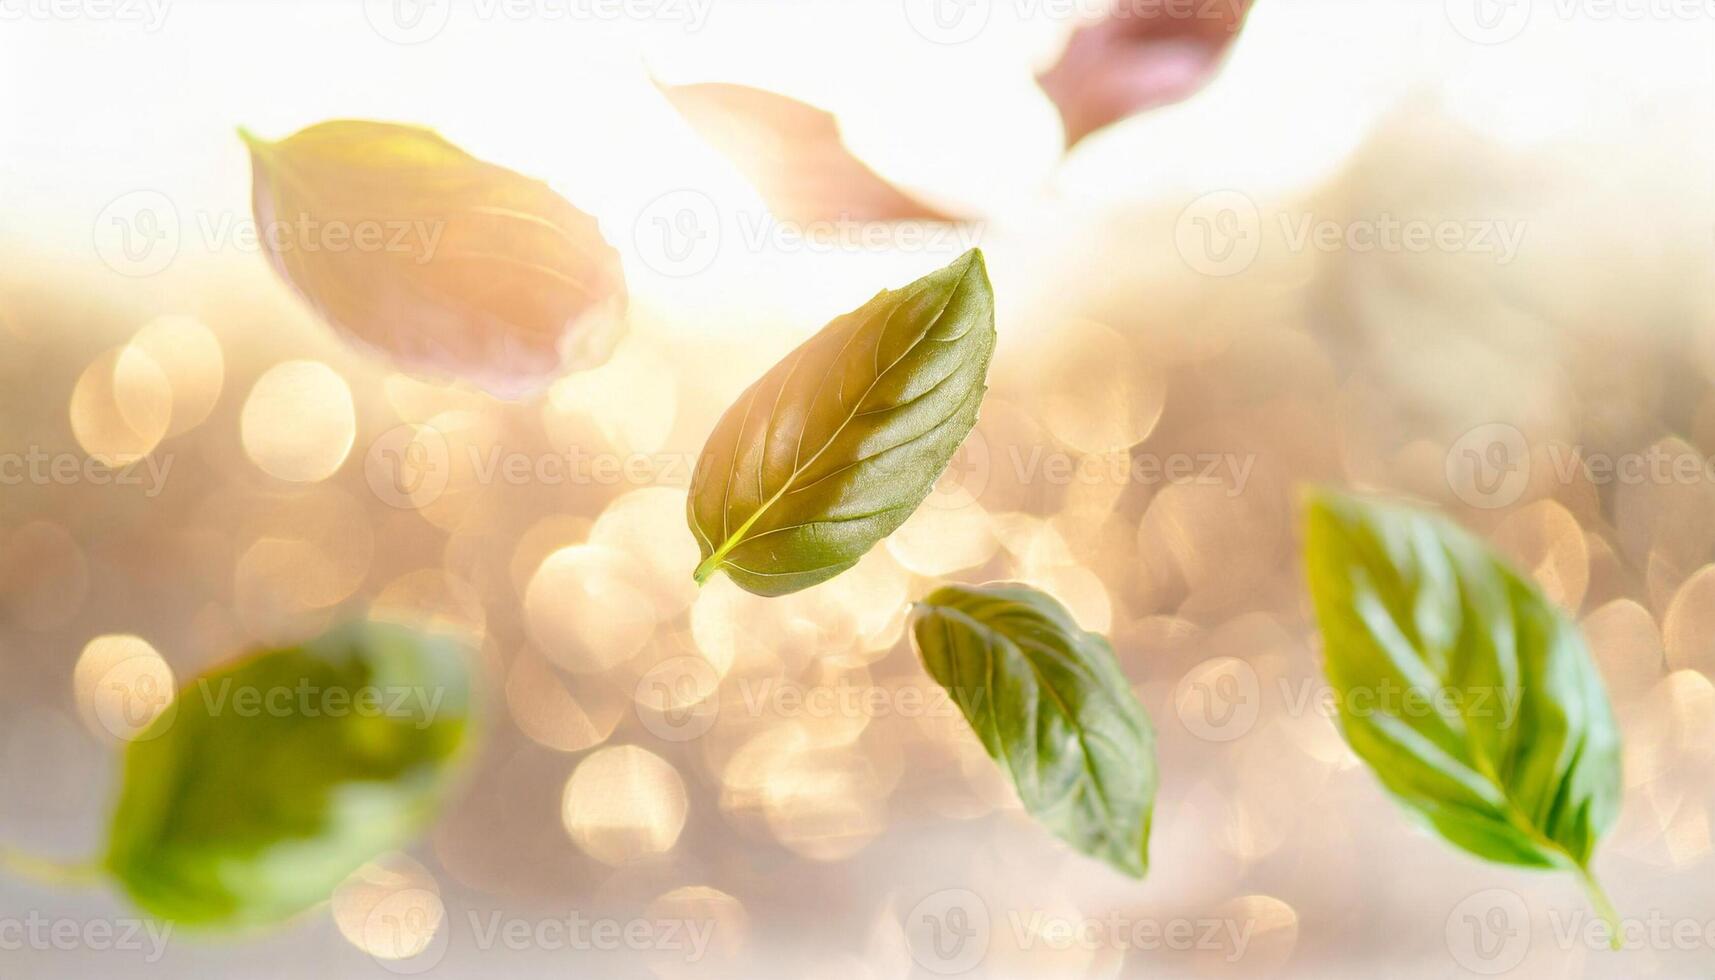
[(1471, 696), (836, 445), (1049, 702), (266, 782)]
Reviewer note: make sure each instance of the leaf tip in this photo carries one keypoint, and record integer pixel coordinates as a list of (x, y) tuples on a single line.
[(256, 143), (971, 261)]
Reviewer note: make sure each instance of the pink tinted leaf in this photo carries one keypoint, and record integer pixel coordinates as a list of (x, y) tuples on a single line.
[(1138, 59), (792, 153), (447, 265)]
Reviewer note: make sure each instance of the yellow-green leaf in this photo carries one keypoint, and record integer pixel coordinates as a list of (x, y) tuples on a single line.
[(452, 266), (836, 445), (1471, 696)]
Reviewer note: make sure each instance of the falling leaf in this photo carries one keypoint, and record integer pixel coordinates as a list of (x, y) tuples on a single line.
[(269, 780), (833, 448), (1131, 61), (450, 265), (1472, 697), (1051, 706), (793, 154)]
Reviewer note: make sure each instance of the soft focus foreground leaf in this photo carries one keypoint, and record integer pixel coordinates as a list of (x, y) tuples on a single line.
[(1469, 694), (449, 265), (836, 445), (266, 782), (792, 153), (1133, 60), (1051, 706)]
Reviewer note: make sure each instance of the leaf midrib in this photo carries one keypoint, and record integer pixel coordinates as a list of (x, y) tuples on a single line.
[(708, 566)]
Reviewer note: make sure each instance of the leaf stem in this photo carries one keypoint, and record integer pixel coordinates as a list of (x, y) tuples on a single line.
[(1604, 907), (50, 871), (709, 566)]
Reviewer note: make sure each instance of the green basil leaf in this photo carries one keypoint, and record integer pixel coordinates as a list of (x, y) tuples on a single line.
[(453, 266), (836, 445), (267, 781), (1049, 702), (1471, 696)]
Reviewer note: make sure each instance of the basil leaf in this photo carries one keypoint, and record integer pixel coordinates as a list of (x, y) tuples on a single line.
[(453, 266), (836, 445), (1051, 706), (266, 782), (1470, 695), (793, 154)]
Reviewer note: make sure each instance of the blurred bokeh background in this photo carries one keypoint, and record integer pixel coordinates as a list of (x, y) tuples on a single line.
[(1463, 251)]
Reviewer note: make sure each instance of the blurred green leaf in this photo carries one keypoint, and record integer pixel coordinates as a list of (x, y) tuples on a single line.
[(269, 780), (1049, 702), (836, 445), (1471, 696)]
